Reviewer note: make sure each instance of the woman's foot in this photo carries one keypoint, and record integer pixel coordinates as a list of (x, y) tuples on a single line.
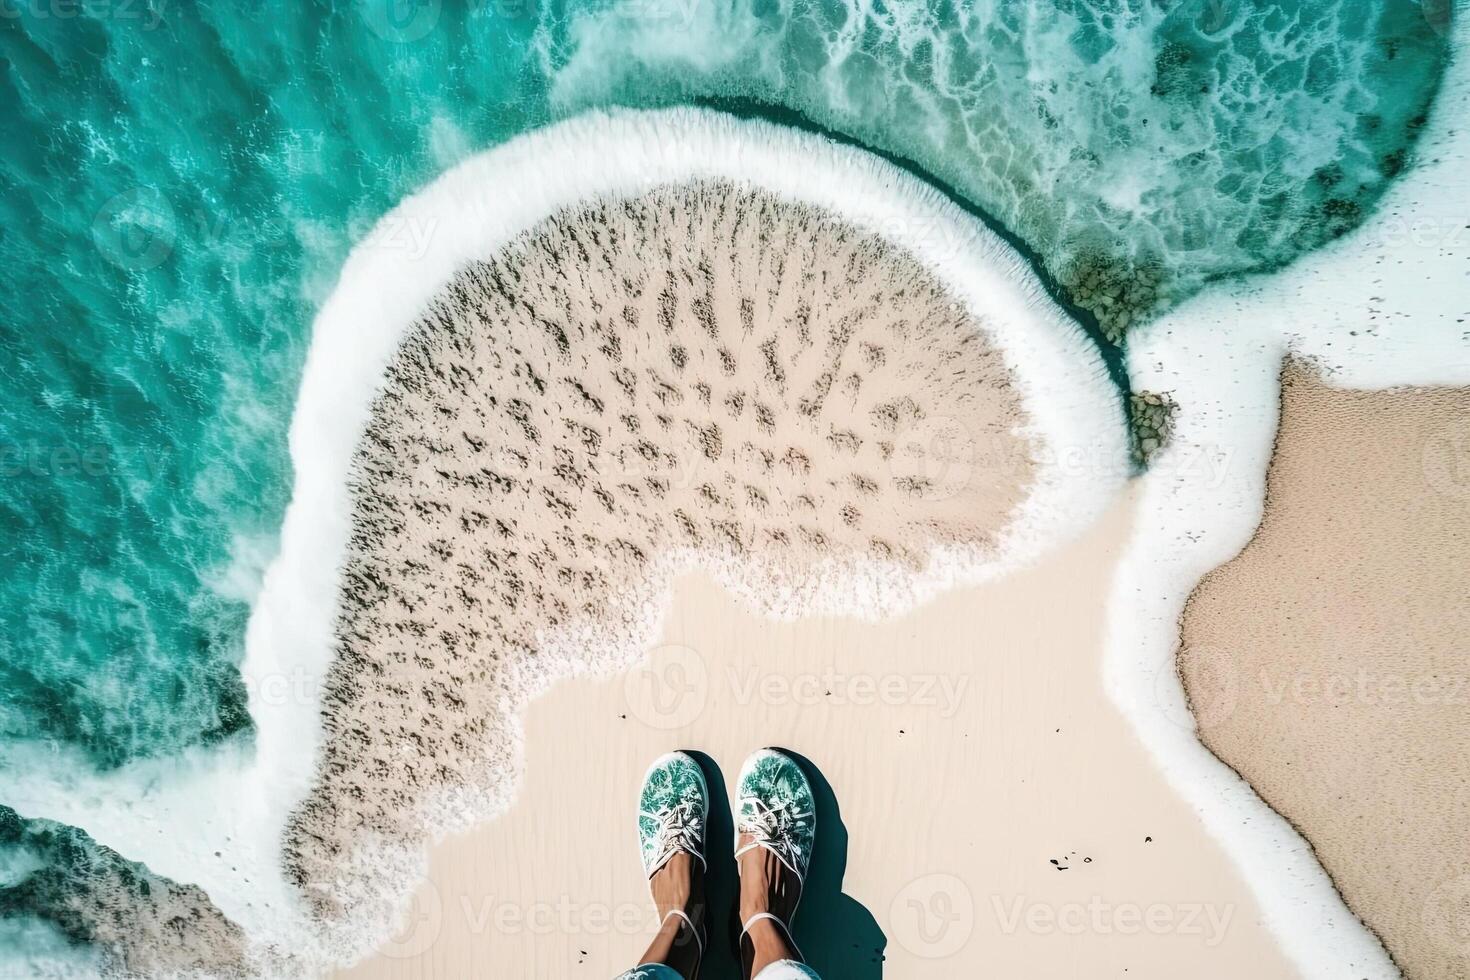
[(673, 812), (775, 831)]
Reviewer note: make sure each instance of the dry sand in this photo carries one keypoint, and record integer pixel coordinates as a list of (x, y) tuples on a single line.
[(1327, 663), (985, 750)]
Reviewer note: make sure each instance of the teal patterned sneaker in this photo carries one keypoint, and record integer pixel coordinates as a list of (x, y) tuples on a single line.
[(778, 810), (778, 813), (673, 811)]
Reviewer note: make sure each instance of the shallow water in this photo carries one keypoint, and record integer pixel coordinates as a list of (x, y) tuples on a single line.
[(181, 182)]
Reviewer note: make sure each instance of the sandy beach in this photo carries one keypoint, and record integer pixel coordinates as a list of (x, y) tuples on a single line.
[(997, 818), (425, 417), (1327, 662), (821, 426)]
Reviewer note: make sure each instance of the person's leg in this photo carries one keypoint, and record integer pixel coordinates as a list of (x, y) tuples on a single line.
[(678, 894), (673, 810), (776, 829), (769, 893), (788, 970)]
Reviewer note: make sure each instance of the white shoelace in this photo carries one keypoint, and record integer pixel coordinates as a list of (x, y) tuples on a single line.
[(771, 827), (678, 830)]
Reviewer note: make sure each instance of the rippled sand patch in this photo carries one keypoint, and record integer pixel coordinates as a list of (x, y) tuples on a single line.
[(704, 374)]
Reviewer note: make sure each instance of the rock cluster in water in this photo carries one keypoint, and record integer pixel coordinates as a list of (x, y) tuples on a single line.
[(1151, 414), (1119, 293)]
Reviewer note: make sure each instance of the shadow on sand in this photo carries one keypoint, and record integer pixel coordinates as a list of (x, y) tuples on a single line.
[(837, 934)]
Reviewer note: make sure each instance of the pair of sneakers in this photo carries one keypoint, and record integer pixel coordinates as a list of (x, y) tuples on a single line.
[(775, 814)]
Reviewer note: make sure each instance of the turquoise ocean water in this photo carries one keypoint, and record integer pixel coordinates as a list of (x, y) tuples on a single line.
[(181, 181)]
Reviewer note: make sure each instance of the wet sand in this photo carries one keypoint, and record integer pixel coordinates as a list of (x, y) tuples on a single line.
[(968, 745), (1327, 663)]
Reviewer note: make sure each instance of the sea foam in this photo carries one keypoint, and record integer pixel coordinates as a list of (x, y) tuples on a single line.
[(1385, 306), (177, 822)]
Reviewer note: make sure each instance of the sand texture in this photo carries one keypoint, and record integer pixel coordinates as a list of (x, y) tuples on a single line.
[(703, 375), (964, 747), (1327, 663)]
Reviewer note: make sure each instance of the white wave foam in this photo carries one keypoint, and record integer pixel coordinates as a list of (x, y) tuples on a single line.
[(1386, 306), (176, 817), (34, 950)]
